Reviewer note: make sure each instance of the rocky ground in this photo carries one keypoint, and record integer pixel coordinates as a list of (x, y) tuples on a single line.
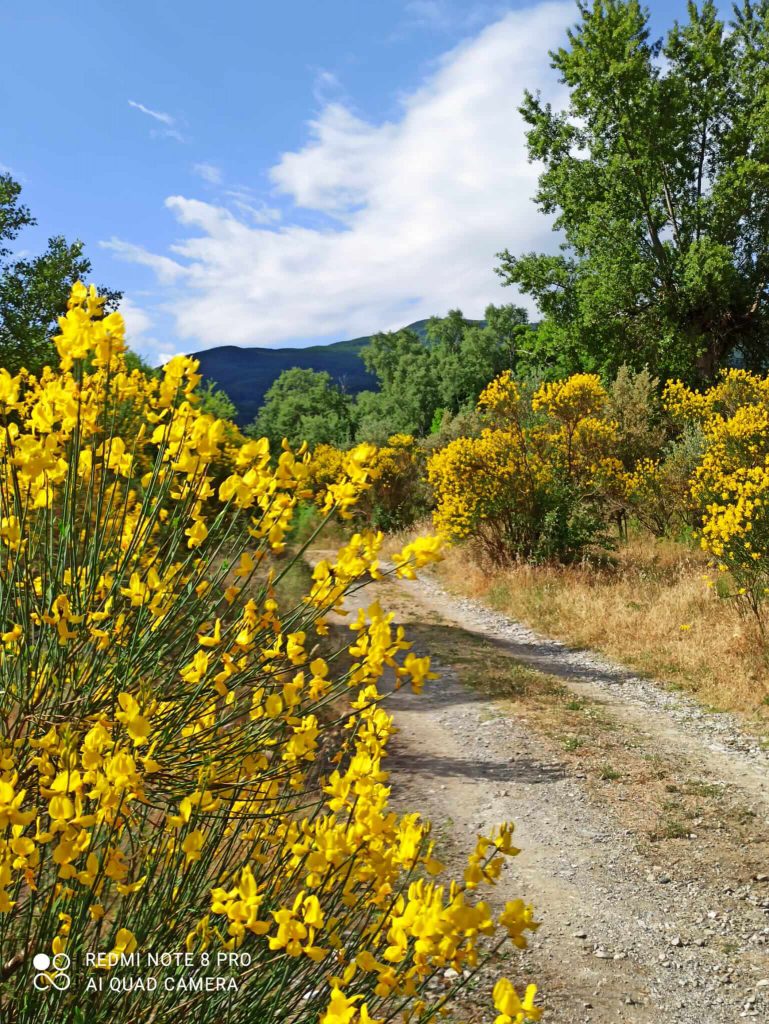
[(642, 817)]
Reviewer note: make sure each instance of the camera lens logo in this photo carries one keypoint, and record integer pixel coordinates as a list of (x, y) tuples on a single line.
[(51, 971)]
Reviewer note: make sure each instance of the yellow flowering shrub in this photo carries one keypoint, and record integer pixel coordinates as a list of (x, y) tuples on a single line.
[(730, 487), (397, 495), (325, 465), (501, 400), (173, 787), (733, 389), (572, 401), (531, 485)]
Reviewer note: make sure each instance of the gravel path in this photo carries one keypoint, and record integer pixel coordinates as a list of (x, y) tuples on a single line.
[(630, 931), (671, 717)]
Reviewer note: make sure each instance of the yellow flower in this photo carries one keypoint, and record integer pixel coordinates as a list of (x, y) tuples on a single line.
[(192, 845), (418, 553), (125, 942), (197, 533), (341, 1008), (512, 1009), (137, 725), (9, 390)]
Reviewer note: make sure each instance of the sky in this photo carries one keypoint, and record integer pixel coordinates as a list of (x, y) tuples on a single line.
[(265, 173)]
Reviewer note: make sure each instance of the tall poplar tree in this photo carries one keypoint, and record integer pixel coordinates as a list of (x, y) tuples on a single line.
[(657, 176)]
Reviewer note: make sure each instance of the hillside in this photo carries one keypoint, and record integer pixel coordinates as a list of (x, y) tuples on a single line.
[(246, 373)]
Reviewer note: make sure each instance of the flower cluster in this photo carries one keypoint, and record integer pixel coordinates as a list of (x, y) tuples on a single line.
[(538, 479), (730, 487), (573, 400), (188, 760), (396, 496)]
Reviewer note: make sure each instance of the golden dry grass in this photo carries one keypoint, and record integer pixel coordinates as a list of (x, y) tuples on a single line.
[(650, 608)]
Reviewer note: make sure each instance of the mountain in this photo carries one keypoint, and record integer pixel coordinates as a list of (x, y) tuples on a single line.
[(246, 373)]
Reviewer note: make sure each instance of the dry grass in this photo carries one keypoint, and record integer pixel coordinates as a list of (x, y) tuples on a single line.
[(649, 608)]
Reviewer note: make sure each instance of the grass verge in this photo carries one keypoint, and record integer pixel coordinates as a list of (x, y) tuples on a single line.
[(650, 607)]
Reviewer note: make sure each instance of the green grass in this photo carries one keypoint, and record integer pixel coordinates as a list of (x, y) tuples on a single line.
[(575, 705), (573, 743)]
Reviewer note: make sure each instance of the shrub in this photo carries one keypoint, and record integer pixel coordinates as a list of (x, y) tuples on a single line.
[(659, 487), (730, 486), (172, 778), (634, 405), (466, 423), (397, 496), (535, 484)]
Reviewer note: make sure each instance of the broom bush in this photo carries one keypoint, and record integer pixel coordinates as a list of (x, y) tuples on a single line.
[(194, 813)]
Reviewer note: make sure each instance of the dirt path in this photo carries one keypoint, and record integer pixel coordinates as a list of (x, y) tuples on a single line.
[(642, 819)]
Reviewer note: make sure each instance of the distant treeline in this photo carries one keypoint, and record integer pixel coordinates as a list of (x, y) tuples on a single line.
[(420, 382)]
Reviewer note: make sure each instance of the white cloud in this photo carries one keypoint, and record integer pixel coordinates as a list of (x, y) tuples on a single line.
[(326, 84), (169, 129), (141, 333), (431, 13), (165, 268), (138, 321), (139, 325), (245, 202), (407, 216), (339, 168), (208, 172), (241, 198), (157, 114)]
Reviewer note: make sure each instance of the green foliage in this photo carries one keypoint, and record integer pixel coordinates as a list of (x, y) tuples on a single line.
[(468, 422), (568, 524), (656, 176), (377, 414), (418, 381), (33, 291), (467, 357), (304, 524), (216, 402), (437, 420), (135, 362), (634, 404), (13, 215), (304, 405), (408, 392), (399, 495), (659, 492)]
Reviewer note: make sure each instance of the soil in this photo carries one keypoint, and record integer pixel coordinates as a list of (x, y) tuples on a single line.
[(642, 817)]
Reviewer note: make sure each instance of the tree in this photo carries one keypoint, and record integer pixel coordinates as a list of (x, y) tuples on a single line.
[(408, 390), (419, 380), (657, 177), (34, 291), (215, 401), (446, 336), (464, 367), (304, 405), (447, 331), (509, 328)]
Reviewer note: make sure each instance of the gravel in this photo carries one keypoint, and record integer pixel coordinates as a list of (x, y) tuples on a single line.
[(621, 939)]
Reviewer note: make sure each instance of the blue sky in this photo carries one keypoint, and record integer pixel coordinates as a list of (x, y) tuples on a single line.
[(264, 173)]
